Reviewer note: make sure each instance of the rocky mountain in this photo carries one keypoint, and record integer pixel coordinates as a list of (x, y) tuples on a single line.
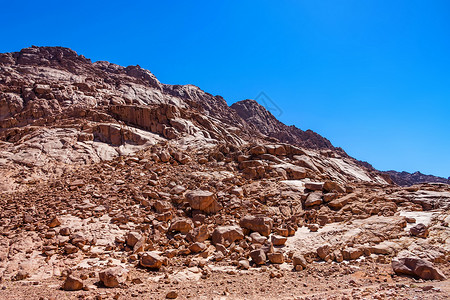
[(262, 120), (408, 179), (115, 185)]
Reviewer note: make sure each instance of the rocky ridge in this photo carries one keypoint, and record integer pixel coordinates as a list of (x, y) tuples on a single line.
[(115, 186), (408, 179)]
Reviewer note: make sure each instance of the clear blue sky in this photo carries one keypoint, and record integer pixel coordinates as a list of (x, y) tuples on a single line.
[(372, 76)]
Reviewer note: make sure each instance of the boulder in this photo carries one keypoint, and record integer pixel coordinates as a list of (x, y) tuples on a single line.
[(417, 267), (229, 233), (132, 238), (420, 230), (313, 199), (351, 253), (55, 222), (151, 260), (197, 247), (112, 277), (260, 224), (333, 187), (203, 200), (198, 234), (324, 251), (337, 204), (72, 283), (182, 225), (278, 240), (276, 257), (258, 238), (258, 256), (314, 186), (299, 261)]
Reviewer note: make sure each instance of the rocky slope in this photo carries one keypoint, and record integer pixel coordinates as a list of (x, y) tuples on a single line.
[(115, 185), (408, 179)]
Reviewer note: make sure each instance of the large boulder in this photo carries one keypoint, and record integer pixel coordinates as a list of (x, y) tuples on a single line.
[(260, 224), (339, 203), (151, 260), (203, 200), (72, 283), (227, 233), (314, 186), (417, 267), (420, 230), (313, 199), (182, 225), (333, 187), (351, 253), (112, 277), (258, 256)]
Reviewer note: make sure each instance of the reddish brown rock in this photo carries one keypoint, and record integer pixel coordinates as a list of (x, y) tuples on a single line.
[(182, 225), (227, 233), (151, 260), (260, 224), (258, 256), (278, 240), (314, 186), (112, 277), (313, 199), (419, 230), (417, 267), (72, 283)]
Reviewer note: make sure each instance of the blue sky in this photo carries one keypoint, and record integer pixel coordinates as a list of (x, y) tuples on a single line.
[(372, 76)]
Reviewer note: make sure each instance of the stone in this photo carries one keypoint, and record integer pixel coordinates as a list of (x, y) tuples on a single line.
[(257, 238), (172, 295), (299, 261), (314, 186), (182, 225), (258, 256), (55, 222), (200, 199), (72, 283), (151, 260), (112, 277), (276, 257), (313, 199), (417, 267), (229, 233), (278, 240), (244, 264), (260, 224), (197, 247), (132, 238), (351, 253), (329, 197), (419, 230), (42, 89), (337, 204), (198, 234), (333, 187), (324, 251)]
